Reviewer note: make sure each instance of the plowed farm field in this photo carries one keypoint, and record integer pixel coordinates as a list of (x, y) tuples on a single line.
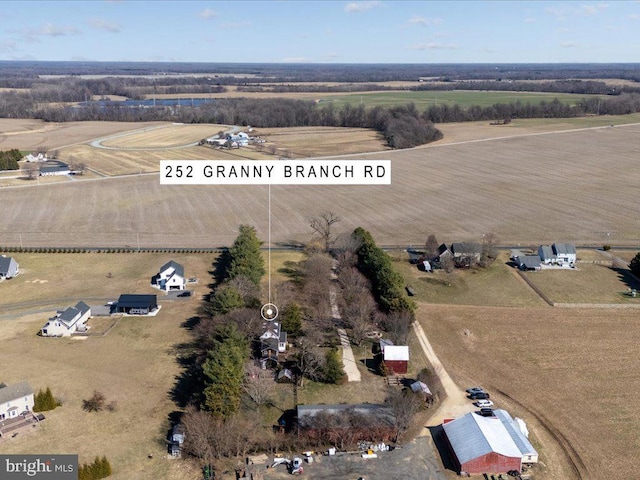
[(574, 186), (568, 373)]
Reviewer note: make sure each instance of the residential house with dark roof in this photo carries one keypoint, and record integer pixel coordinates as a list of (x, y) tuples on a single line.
[(561, 254), (466, 254), (15, 399), (170, 277), (66, 322)]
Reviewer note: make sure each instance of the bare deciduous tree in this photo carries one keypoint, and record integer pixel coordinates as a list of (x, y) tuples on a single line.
[(322, 225), (397, 325), (31, 171), (431, 246), (258, 384)]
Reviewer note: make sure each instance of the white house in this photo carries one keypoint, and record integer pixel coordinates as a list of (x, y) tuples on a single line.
[(557, 254), (9, 268), (272, 331), (170, 277), (15, 399), (36, 158), (66, 322)]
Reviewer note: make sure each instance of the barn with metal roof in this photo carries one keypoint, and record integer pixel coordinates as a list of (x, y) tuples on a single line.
[(488, 444)]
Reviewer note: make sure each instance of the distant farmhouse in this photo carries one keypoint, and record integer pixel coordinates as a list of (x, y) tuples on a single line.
[(54, 167), (9, 268), (230, 140), (554, 256), (170, 277), (462, 254), (273, 341), (15, 399), (66, 322)]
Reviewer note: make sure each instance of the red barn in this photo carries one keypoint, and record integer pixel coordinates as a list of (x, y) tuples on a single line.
[(488, 444), (396, 358)]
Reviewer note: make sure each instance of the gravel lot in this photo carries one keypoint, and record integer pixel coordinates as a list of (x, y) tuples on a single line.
[(417, 460)]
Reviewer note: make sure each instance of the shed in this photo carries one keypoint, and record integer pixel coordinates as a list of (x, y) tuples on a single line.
[(488, 444), (284, 376), (135, 304), (396, 358)]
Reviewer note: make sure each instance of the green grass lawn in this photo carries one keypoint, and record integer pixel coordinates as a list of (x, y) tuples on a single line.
[(588, 283), (497, 285), (464, 98)]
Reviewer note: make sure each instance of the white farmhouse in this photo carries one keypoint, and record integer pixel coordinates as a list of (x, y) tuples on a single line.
[(15, 399), (170, 277), (66, 322), (562, 254)]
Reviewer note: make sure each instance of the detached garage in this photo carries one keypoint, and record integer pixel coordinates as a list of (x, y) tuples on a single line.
[(488, 444), (133, 304)]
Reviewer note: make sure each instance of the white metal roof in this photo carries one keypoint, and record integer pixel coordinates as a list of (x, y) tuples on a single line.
[(473, 436), (396, 352)]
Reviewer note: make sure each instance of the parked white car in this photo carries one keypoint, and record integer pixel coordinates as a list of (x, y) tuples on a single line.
[(484, 403)]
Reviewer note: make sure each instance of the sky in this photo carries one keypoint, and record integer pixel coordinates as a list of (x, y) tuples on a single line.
[(321, 31)]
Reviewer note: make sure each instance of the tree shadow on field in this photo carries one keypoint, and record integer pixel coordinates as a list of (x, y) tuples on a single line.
[(189, 383), (219, 269), (293, 271), (626, 277)]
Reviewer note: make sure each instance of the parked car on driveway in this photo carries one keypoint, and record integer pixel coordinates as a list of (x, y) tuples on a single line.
[(486, 412), (484, 403), (474, 390), (479, 396)]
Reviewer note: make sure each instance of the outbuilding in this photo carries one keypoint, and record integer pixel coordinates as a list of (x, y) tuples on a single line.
[(491, 445), (8, 267), (396, 358), (134, 304)]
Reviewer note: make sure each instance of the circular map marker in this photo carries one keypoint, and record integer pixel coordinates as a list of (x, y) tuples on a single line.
[(269, 311)]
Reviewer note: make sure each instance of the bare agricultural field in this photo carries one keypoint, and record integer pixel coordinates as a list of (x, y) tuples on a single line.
[(574, 186), (25, 134), (323, 141), (165, 136), (569, 373)]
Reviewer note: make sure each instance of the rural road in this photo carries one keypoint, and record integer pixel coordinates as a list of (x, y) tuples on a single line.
[(456, 403)]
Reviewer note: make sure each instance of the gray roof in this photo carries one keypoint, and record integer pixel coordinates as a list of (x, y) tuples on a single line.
[(137, 301), (72, 314), (15, 391), (473, 436), (466, 248), (563, 248), (5, 264), (381, 412), (545, 251), (54, 166), (179, 269), (530, 261)]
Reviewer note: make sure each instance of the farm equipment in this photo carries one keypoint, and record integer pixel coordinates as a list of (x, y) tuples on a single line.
[(294, 466)]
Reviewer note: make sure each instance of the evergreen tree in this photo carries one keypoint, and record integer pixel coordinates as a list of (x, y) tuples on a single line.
[(106, 466), (291, 321), (245, 255), (225, 299), (333, 371), (224, 371), (634, 265)]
